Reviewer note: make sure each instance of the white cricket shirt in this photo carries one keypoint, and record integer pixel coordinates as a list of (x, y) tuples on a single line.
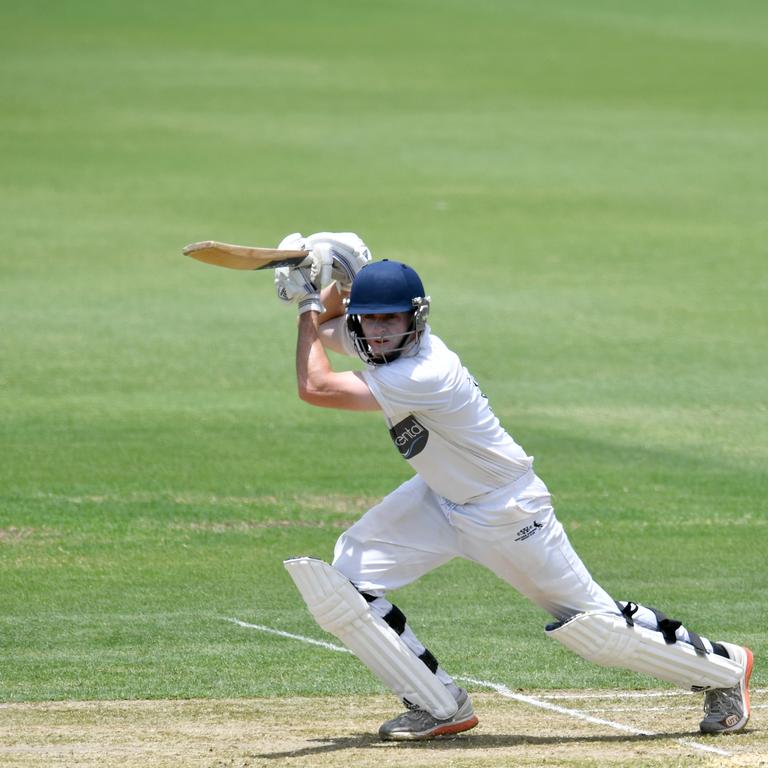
[(442, 425)]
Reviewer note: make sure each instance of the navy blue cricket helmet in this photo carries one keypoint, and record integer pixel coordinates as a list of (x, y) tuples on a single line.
[(383, 287)]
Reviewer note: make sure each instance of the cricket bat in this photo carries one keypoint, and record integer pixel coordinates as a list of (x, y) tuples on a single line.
[(244, 256)]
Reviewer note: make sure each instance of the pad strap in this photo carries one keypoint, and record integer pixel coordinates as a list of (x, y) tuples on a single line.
[(608, 639)]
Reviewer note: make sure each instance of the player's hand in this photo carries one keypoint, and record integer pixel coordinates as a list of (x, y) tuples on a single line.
[(335, 256), (294, 284), (321, 268), (302, 284), (347, 252), (318, 270)]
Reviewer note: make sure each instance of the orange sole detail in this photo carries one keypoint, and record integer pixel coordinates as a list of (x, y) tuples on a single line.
[(446, 730)]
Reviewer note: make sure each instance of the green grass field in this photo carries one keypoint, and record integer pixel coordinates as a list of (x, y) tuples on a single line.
[(582, 188)]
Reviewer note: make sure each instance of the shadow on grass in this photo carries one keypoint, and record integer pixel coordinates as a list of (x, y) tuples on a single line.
[(368, 741)]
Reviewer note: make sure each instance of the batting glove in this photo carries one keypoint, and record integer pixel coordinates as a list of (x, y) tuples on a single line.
[(311, 303), (300, 284), (319, 266), (347, 252), (293, 284), (335, 256)]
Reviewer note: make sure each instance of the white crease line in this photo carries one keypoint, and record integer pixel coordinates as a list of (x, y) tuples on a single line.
[(619, 695), (652, 709), (280, 633), (594, 710), (502, 690)]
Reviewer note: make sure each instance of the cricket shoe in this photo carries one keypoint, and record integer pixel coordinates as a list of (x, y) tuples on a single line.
[(418, 724), (727, 709)]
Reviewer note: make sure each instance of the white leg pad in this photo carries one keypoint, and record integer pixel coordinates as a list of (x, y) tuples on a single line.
[(606, 639), (341, 610)]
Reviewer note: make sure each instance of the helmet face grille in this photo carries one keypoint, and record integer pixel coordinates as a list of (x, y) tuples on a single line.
[(409, 342)]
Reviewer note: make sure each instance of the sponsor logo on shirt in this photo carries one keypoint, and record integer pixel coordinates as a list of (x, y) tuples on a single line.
[(409, 436)]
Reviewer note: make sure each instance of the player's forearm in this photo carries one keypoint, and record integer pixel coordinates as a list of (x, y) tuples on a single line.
[(318, 383), (333, 301), (312, 363), (330, 322)]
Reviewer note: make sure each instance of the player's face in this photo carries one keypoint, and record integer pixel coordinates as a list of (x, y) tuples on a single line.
[(385, 332)]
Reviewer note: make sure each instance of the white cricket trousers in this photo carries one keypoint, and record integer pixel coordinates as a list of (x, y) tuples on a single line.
[(518, 537), (412, 531)]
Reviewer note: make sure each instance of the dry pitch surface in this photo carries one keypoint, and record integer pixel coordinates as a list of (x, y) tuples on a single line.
[(341, 732)]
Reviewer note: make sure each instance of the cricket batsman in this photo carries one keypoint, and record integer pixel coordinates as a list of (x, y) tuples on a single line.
[(474, 494)]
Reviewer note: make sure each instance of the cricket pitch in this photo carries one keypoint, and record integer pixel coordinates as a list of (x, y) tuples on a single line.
[(341, 731)]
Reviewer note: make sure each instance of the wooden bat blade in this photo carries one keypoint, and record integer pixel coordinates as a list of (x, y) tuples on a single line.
[(243, 256)]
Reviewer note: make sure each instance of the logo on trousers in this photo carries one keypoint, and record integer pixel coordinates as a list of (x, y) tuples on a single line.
[(527, 531), (409, 436)]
